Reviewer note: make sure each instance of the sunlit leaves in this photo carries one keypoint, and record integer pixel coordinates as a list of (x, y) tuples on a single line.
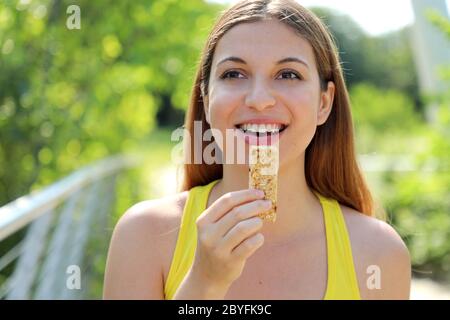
[(111, 47)]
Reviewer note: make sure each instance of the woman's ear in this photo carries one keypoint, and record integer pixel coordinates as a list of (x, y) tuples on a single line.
[(326, 103)]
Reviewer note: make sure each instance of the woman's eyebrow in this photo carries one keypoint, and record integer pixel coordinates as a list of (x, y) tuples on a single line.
[(284, 60)]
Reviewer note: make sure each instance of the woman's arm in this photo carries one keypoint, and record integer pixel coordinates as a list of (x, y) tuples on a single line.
[(395, 266), (382, 259), (385, 266), (134, 264)]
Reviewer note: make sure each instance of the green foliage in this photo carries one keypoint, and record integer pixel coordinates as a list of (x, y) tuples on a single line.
[(69, 97), (382, 110), (378, 115), (419, 202), (439, 21), (384, 61)]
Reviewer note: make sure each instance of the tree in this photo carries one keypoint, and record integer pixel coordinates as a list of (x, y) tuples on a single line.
[(71, 96)]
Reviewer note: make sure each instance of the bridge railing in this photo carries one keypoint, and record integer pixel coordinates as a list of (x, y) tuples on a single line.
[(52, 229)]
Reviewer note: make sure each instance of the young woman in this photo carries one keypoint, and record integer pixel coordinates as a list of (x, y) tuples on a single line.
[(274, 63)]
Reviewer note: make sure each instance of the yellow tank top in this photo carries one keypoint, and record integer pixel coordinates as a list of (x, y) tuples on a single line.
[(342, 282)]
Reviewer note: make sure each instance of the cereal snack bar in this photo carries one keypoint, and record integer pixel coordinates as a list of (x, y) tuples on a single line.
[(263, 174)]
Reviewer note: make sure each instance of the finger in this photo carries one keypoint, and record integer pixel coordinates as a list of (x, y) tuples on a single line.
[(227, 202), (240, 232), (247, 247), (240, 213)]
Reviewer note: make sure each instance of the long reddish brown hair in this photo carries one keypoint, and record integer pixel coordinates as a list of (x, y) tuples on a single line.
[(330, 161)]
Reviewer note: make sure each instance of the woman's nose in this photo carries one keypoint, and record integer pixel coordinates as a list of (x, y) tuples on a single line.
[(260, 96)]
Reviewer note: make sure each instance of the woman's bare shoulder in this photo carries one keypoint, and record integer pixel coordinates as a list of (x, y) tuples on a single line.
[(154, 218), (156, 221), (141, 247), (158, 214), (372, 233), (378, 249)]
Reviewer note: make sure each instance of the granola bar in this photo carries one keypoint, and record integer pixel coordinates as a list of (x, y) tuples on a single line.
[(263, 174)]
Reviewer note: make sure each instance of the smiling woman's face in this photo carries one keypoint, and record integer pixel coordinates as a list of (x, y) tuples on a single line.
[(272, 76)]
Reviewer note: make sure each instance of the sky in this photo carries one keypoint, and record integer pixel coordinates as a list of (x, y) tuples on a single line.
[(367, 13)]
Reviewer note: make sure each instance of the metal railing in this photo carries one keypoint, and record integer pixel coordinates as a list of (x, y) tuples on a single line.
[(58, 223)]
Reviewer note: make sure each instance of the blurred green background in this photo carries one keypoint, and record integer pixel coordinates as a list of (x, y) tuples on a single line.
[(122, 82)]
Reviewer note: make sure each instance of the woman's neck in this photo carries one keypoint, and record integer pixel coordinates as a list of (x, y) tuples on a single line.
[(297, 206)]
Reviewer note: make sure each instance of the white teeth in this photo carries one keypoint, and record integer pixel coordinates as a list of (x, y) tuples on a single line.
[(261, 128)]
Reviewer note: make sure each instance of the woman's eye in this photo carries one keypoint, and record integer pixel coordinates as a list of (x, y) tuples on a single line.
[(289, 75), (230, 75)]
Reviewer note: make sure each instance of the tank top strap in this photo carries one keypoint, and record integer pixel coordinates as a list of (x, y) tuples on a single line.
[(187, 237), (342, 281)]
